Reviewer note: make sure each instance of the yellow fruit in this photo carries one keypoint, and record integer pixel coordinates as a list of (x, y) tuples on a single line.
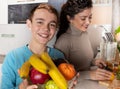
[(112, 77), (24, 70), (38, 64), (54, 73)]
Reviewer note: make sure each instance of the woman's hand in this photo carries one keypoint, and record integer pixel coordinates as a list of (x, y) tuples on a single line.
[(101, 74), (100, 63), (24, 85)]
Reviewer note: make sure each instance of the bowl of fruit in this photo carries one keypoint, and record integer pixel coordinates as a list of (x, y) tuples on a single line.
[(46, 73)]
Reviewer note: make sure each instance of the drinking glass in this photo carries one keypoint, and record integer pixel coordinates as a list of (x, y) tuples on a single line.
[(111, 48), (108, 50), (108, 53)]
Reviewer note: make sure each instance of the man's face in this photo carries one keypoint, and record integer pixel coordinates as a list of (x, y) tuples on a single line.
[(43, 26)]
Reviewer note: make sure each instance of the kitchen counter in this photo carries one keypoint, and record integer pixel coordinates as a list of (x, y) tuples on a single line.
[(89, 84)]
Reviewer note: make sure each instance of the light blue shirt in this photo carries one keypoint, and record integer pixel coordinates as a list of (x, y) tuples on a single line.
[(14, 60)]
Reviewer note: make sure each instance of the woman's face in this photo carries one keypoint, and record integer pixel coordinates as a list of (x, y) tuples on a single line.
[(43, 26), (82, 20)]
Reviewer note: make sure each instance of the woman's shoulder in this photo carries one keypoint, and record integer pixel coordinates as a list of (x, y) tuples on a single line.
[(65, 35), (64, 39)]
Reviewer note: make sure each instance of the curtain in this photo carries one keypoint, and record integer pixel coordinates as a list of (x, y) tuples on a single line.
[(115, 14)]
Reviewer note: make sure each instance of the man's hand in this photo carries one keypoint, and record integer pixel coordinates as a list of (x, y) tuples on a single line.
[(25, 85)]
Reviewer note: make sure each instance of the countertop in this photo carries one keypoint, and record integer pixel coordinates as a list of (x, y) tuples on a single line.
[(89, 84)]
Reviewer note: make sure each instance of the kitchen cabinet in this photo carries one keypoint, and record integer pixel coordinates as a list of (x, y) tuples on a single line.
[(12, 2)]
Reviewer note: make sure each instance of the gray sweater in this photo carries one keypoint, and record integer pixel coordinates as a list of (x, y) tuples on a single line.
[(80, 47)]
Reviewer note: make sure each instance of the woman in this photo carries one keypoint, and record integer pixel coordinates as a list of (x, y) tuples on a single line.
[(42, 23), (77, 43)]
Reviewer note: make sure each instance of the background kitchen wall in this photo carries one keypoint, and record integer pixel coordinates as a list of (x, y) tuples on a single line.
[(101, 12), (15, 35), (11, 33)]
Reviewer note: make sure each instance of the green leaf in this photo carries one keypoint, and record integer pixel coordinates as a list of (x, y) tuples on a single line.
[(117, 30)]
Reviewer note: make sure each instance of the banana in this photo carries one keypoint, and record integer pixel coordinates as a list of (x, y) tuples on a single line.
[(24, 70), (38, 64), (54, 72)]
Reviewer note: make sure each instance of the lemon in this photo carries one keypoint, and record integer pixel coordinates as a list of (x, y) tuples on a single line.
[(112, 77)]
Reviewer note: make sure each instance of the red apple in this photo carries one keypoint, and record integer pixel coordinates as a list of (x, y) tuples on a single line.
[(37, 77)]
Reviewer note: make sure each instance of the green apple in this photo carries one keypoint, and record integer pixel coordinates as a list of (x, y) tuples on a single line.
[(50, 84)]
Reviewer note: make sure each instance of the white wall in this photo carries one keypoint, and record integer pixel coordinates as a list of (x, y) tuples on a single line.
[(3, 12), (15, 35), (4, 8)]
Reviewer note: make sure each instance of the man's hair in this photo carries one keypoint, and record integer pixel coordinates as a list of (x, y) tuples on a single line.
[(46, 6)]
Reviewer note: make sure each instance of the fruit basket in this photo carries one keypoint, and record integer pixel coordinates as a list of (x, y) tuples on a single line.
[(44, 72)]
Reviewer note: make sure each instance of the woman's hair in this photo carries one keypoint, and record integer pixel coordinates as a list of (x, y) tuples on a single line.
[(71, 8), (46, 6)]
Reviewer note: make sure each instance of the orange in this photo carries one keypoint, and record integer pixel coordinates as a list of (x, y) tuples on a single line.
[(67, 70)]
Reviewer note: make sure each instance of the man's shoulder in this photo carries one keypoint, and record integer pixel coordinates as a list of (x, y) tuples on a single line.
[(55, 53), (54, 50), (22, 48), (18, 50)]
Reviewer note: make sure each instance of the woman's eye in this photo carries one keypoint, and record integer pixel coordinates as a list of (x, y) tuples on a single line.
[(83, 19)]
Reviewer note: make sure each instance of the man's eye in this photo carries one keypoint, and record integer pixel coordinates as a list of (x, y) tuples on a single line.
[(40, 22), (90, 17), (53, 25)]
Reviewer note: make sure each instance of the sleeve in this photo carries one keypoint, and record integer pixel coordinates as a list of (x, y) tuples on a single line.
[(84, 75), (8, 73), (62, 45)]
